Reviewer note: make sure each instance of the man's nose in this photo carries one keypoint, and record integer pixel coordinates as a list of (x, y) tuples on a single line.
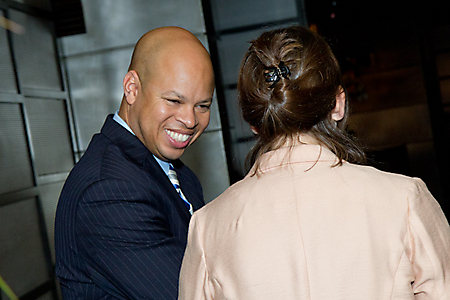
[(187, 116)]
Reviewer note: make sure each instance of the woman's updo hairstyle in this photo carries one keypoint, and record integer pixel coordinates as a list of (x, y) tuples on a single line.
[(288, 83)]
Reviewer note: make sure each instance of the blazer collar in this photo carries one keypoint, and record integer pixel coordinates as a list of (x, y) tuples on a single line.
[(307, 155)]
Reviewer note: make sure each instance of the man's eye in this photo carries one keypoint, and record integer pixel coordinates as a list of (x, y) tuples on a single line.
[(173, 100), (204, 107)]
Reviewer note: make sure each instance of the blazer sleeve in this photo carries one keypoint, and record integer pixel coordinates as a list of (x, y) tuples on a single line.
[(126, 243), (194, 277), (429, 245)]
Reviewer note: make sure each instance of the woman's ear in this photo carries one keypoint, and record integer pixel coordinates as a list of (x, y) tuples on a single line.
[(339, 110), (254, 130), (131, 86)]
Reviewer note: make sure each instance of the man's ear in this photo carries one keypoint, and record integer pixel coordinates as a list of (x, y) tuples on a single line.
[(339, 110), (131, 86)]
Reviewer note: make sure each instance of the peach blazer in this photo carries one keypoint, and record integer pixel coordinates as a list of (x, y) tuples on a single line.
[(304, 230)]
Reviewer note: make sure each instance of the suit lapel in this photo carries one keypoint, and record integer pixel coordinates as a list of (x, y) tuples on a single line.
[(152, 167), (141, 156)]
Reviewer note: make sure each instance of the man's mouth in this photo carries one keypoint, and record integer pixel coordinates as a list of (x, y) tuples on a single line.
[(179, 137)]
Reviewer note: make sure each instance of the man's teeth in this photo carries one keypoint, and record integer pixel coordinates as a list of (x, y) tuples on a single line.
[(178, 136)]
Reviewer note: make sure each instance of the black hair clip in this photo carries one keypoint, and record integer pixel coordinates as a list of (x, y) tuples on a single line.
[(274, 74)]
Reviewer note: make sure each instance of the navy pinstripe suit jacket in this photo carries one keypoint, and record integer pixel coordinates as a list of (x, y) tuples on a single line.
[(121, 228)]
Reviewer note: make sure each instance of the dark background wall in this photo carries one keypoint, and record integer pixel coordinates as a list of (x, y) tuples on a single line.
[(395, 56)]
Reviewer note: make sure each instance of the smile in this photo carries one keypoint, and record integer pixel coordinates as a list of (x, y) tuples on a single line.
[(179, 137)]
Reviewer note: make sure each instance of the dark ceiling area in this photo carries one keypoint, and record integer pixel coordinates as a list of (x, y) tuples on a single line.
[(357, 28)]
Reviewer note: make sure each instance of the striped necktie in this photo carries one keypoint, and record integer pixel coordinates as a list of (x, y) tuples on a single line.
[(176, 184)]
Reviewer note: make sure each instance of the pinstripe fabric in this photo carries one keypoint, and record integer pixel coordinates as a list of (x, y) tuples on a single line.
[(120, 229)]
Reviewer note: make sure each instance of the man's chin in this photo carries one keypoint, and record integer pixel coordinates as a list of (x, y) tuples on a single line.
[(172, 155)]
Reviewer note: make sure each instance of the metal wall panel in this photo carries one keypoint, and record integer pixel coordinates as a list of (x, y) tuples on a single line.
[(7, 76), (49, 198), (16, 172), (43, 4), (238, 13), (35, 54), (117, 23), (214, 123), (238, 127), (239, 155), (95, 83), (214, 119), (22, 255), (47, 296), (50, 136), (206, 159)]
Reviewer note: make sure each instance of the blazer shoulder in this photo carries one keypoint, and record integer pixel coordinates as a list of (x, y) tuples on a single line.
[(371, 173)]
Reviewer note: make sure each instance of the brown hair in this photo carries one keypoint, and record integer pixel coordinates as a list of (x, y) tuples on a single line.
[(299, 103)]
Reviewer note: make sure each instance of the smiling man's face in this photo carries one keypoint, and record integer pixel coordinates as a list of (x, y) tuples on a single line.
[(172, 108)]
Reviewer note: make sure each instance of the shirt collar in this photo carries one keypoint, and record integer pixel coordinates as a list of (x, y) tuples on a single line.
[(119, 120)]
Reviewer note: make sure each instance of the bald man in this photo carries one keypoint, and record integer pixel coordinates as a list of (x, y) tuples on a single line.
[(121, 222)]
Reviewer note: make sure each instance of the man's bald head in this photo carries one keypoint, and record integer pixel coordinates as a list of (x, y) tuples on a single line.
[(161, 44), (168, 91)]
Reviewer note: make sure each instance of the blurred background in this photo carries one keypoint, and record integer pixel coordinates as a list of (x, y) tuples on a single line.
[(61, 68)]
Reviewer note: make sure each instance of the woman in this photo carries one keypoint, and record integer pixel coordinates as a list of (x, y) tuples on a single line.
[(309, 221)]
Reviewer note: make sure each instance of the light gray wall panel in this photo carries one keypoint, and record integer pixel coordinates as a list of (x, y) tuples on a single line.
[(238, 13), (49, 199), (232, 105), (22, 259), (214, 121), (115, 23), (15, 172), (95, 83), (35, 54), (206, 159), (239, 128), (50, 136), (7, 77)]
